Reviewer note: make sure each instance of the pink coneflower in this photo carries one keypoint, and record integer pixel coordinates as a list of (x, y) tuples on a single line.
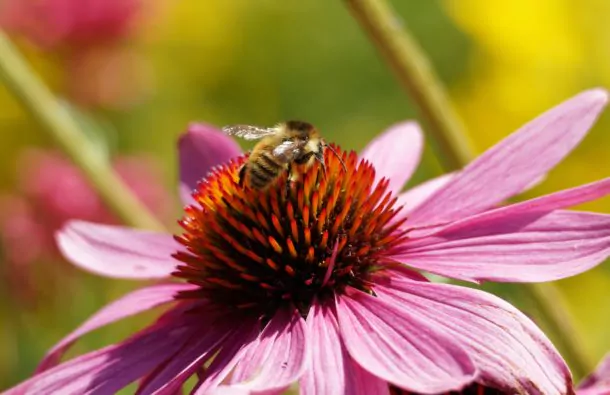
[(316, 283)]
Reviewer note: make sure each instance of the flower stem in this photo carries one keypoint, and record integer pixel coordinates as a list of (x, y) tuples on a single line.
[(417, 77), (415, 74), (36, 98)]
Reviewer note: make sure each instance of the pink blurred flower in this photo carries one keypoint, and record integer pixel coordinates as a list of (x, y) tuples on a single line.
[(52, 191), (316, 283), (90, 37), (598, 383), (55, 187), (70, 23)]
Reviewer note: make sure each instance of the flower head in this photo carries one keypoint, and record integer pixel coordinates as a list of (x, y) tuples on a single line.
[(289, 244), (317, 282)]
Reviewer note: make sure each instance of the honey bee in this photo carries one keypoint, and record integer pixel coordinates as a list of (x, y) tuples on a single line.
[(282, 146)]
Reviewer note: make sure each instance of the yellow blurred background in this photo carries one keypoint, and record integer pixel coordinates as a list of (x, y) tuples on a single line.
[(226, 62)]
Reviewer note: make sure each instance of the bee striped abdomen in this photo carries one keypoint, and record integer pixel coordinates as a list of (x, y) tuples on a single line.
[(271, 164), (263, 169)]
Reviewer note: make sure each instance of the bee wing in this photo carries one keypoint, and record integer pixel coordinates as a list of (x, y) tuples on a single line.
[(288, 149), (248, 132)]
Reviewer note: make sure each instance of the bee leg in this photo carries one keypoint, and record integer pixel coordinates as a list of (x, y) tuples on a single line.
[(320, 158), (288, 180), (242, 176)]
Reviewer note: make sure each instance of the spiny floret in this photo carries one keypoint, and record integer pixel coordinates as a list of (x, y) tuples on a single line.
[(291, 243)]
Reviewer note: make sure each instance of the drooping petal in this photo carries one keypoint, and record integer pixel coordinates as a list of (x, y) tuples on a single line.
[(236, 346), (598, 383), (332, 371), (133, 303), (116, 251), (509, 351), (107, 370), (396, 153), (201, 148), (406, 350), (523, 242), (278, 359), (219, 333), (514, 163)]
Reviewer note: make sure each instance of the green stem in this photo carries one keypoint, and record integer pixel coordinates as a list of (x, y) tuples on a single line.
[(36, 98), (416, 76)]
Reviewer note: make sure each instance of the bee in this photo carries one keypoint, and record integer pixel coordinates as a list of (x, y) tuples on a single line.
[(280, 147)]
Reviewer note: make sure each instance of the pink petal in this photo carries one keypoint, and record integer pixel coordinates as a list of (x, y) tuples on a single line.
[(400, 347), (525, 248), (415, 196), (510, 352), (524, 242), (116, 251), (279, 358), (229, 390), (598, 383), (543, 204), (185, 194), (214, 335), (396, 153), (201, 148), (508, 167), (108, 370), (133, 303), (603, 389), (331, 370), (243, 337)]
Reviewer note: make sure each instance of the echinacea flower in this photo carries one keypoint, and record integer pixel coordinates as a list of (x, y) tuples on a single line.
[(598, 382), (317, 282)]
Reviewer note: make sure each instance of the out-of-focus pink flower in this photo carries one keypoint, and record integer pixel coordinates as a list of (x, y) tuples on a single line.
[(598, 383), (52, 191), (315, 282), (54, 186), (90, 38), (70, 23)]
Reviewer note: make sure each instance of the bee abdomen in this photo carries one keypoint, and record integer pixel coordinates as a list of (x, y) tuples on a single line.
[(263, 171), (259, 177), (271, 163)]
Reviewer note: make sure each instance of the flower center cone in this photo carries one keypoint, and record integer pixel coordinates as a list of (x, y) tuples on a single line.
[(292, 242)]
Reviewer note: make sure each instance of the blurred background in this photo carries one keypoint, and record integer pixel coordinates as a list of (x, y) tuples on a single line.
[(136, 72)]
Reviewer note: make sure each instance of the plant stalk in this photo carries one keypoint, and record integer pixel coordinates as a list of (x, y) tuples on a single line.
[(414, 72), (38, 100)]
